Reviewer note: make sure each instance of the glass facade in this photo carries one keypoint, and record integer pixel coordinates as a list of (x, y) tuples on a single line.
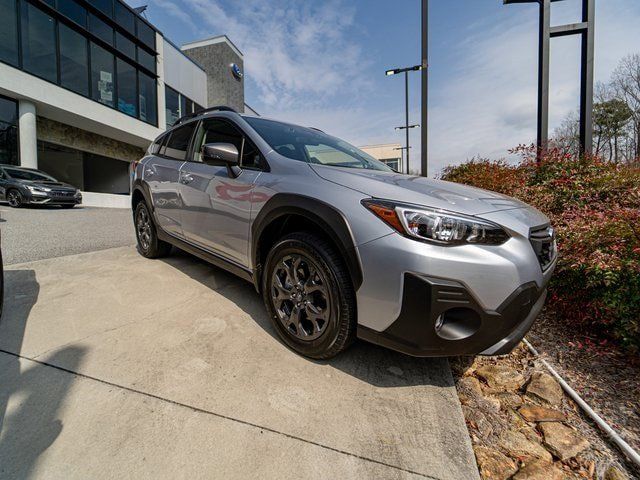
[(178, 105), (8, 131), (97, 48)]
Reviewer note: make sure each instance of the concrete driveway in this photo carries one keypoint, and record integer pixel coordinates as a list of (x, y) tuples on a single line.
[(114, 366)]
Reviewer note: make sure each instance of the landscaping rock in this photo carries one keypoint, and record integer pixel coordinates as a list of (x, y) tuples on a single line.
[(539, 470), (545, 387), (469, 389), (501, 377), (614, 473), (533, 413), (562, 441), (494, 465), (517, 445), (478, 421), (509, 400)]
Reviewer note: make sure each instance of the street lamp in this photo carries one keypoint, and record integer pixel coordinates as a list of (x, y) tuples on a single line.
[(406, 71)]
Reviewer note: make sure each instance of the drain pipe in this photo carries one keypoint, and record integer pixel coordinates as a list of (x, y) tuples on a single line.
[(613, 435)]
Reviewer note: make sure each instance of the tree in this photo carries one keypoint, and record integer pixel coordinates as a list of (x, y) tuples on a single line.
[(626, 83), (610, 119)]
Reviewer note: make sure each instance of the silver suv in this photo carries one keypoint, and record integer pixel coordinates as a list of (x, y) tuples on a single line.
[(339, 245)]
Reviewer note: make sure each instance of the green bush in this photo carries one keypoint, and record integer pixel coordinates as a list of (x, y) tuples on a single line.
[(595, 208)]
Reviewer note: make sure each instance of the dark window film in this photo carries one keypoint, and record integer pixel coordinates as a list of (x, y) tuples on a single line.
[(74, 68), (124, 17), (197, 108), (147, 60), (183, 106), (127, 87), (217, 131), (172, 106), (146, 34), (72, 10), (179, 141), (148, 99), (126, 46), (105, 6), (102, 75), (38, 43), (8, 131), (9, 32), (100, 29), (189, 108)]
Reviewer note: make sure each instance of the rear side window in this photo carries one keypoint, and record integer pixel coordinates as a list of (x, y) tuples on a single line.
[(155, 146), (179, 140)]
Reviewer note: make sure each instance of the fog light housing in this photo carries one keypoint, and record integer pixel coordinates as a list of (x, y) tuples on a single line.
[(458, 324)]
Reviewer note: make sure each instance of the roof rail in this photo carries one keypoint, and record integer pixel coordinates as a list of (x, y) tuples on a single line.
[(219, 108)]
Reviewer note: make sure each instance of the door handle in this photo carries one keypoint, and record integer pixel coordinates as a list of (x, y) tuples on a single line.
[(186, 178)]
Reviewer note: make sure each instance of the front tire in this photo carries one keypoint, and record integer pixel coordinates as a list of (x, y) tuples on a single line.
[(309, 296), (149, 245), (14, 198)]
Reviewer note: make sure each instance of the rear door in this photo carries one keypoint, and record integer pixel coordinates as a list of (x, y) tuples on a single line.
[(217, 206), (162, 175)]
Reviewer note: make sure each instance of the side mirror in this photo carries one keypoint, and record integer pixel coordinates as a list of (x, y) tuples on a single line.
[(222, 154)]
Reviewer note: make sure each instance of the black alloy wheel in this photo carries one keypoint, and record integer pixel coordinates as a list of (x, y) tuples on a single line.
[(148, 243), (14, 197)]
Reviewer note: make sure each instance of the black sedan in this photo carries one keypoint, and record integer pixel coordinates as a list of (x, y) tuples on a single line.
[(21, 186)]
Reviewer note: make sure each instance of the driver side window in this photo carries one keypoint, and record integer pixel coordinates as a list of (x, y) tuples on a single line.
[(220, 131)]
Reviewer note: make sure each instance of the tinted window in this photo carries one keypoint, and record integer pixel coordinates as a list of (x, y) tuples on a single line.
[(155, 146), (8, 131), (102, 75), (8, 32), (197, 108), (28, 175), (38, 43), (147, 60), (146, 34), (148, 99), (172, 104), (105, 6), (126, 46), (217, 131), (312, 146), (126, 88), (72, 10), (124, 17), (100, 29), (179, 141), (74, 68)]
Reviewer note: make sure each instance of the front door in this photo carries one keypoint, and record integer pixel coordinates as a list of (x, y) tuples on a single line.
[(162, 174), (217, 206)]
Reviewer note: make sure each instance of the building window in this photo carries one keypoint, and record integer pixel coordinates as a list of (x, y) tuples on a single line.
[(126, 46), (38, 43), (73, 11), (124, 17), (102, 75), (172, 104), (8, 132), (127, 85), (147, 60), (74, 68), (100, 29), (148, 98), (9, 32), (146, 34), (105, 6)]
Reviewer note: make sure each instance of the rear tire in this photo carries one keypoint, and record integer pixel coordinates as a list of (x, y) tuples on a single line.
[(14, 197), (309, 296), (149, 245)]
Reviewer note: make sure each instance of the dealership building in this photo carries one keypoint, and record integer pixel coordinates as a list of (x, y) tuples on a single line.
[(86, 85)]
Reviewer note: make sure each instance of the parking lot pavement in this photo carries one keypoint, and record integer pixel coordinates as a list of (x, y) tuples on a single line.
[(35, 233), (112, 365)]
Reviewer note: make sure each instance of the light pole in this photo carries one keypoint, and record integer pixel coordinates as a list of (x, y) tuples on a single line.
[(424, 161), (406, 71), (406, 127)]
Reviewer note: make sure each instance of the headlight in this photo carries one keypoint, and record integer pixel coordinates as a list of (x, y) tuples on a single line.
[(437, 226), (38, 189), (78, 194)]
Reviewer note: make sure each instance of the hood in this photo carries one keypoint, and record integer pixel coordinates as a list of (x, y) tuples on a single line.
[(419, 190), (46, 183)]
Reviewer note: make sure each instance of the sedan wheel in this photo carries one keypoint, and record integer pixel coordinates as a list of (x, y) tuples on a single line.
[(14, 198)]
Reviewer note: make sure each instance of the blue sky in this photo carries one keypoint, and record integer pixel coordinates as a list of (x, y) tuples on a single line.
[(322, 63)]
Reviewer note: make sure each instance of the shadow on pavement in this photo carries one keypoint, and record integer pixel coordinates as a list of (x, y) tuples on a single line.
[(31, 396), (369, 363)]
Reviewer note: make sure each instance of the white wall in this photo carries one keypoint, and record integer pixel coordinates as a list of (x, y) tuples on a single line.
[(183, 75)]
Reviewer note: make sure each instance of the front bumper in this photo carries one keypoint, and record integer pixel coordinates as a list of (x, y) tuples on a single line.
[(53, 198), (442, 318)]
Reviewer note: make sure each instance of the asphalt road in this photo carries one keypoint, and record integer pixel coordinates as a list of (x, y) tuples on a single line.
[(37, 233)]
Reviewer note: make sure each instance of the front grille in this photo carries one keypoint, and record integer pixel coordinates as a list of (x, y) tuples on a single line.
[(543, 241), (62, 193)]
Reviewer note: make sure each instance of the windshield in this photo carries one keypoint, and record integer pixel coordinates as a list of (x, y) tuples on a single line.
[(313, 146), (29, 175)]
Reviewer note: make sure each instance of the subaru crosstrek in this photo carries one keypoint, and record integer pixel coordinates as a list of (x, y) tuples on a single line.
[(338, 244)]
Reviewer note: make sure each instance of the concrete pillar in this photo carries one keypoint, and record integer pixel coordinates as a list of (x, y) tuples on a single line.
[(162, 112), (27, 134)]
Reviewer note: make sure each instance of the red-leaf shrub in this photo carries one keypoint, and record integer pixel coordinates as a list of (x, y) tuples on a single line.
[(595, 207)]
